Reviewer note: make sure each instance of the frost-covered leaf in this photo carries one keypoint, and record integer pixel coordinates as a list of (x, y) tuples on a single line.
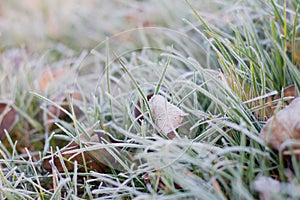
[(55, 112), (93, 155), (8, 118), (166, 116), (138, 108), (269, 188), (50, 76)]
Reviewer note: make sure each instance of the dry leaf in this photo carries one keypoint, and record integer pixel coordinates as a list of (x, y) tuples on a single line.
[(296, 53), (70, 158), (55, 112), (289, 91), (166, 116), (274, 101), (283, 126), (267, 187), (270, 188), (100, 160), (49, 76), (8, 118), (157, 180), (137, 110)]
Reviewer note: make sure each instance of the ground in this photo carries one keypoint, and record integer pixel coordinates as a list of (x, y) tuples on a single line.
[(149, 99)]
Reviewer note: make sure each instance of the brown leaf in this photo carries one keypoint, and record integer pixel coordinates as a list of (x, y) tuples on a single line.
[(100, 160), (283, 126), (289, 93), (83, 160), (8, 118), (56, 112), (49, 76), (137, 110), (157, 179)]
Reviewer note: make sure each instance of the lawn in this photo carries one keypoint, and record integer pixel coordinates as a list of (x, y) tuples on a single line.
[(149, 99)]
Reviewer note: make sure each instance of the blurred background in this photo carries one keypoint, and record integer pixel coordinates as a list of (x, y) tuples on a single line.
[(75, 24)]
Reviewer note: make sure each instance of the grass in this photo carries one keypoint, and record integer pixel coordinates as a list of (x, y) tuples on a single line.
[(219, 65)]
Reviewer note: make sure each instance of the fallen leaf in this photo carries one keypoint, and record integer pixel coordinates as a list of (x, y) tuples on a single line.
[(270, 188), (283, 125), (275, 101), (8, 118), (166, 116), (289, 92), (100, 159), (83, 160), (137, 109), (156, 179), (267, 187), (50, 76), (56, 112)]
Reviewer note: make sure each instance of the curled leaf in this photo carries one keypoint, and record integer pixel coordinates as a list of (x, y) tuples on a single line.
[(166, 116), (8, 118)]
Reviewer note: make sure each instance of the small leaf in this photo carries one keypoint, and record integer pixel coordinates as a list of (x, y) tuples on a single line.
[(8, 118), (166, 116)]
